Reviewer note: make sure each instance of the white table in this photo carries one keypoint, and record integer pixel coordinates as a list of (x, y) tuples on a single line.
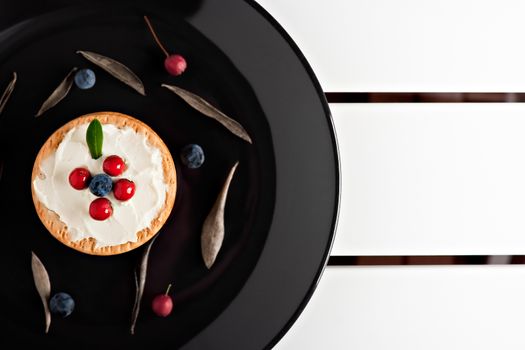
[(419, 178)]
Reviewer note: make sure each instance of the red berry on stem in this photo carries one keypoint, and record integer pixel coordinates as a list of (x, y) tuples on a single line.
[(174, 64), (114, 165), (123, 189), (162, 304), (100, 209), (79, 178)]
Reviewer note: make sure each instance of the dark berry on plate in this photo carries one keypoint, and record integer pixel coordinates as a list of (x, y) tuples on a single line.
[(162, 304), (114, 165), (100, 185), (123, 189), (62, 304), (192, 156), (85, 79), (100, 209), (79, 178), (175, 64)]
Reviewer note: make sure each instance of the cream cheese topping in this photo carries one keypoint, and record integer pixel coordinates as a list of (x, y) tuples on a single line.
[(144, 167)]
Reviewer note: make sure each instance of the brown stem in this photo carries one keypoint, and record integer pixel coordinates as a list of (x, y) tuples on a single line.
[(168, 289), (157, 40)]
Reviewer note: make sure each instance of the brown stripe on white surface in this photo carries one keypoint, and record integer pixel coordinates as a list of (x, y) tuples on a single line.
[(339, 260), (423, 97)]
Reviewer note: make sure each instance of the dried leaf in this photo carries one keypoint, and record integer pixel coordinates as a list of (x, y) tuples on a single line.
[(140, 282), (116, 69), (42, 284), (208, 110), (7, 92), (213, 228), (136, 304), (59, 93)]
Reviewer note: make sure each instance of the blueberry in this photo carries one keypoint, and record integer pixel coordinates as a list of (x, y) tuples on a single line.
[(85, 79), (100, 185), (192, 156), (62, 304)]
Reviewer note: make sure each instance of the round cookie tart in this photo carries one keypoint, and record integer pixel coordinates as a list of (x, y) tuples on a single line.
[(64, 211)]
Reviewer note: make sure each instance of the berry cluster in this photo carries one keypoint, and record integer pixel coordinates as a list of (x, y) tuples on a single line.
[(102, 184)]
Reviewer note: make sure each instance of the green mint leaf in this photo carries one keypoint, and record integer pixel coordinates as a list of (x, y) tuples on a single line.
[(94, 138)]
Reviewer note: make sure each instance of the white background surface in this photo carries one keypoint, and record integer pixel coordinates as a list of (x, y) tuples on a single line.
[(409, 45), (431, 179), (375, 308), (419, 179)]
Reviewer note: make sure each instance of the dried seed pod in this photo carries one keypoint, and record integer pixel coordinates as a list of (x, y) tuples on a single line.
[(116, 69), (213, 228), (7, 92), (59, 93), (42, 284), (208, 110)]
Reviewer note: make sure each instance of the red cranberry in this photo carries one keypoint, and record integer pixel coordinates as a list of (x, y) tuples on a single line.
[(79, 178), (175, 64), (100, 209), (162, 304), (123, 189), (114, 165)]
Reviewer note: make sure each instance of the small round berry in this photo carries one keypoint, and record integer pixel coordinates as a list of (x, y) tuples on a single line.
[(100, 185), (62, 304), (114, 165), (162, 304), (124, 189), (175, 64), (100, 209), (192, 156), (79, 178), (85, 79)]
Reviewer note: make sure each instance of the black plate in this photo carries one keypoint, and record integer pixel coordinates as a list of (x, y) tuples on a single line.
[(282, 206)]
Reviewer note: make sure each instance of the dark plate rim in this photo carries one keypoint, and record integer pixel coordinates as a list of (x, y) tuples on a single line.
[(329, 119)]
